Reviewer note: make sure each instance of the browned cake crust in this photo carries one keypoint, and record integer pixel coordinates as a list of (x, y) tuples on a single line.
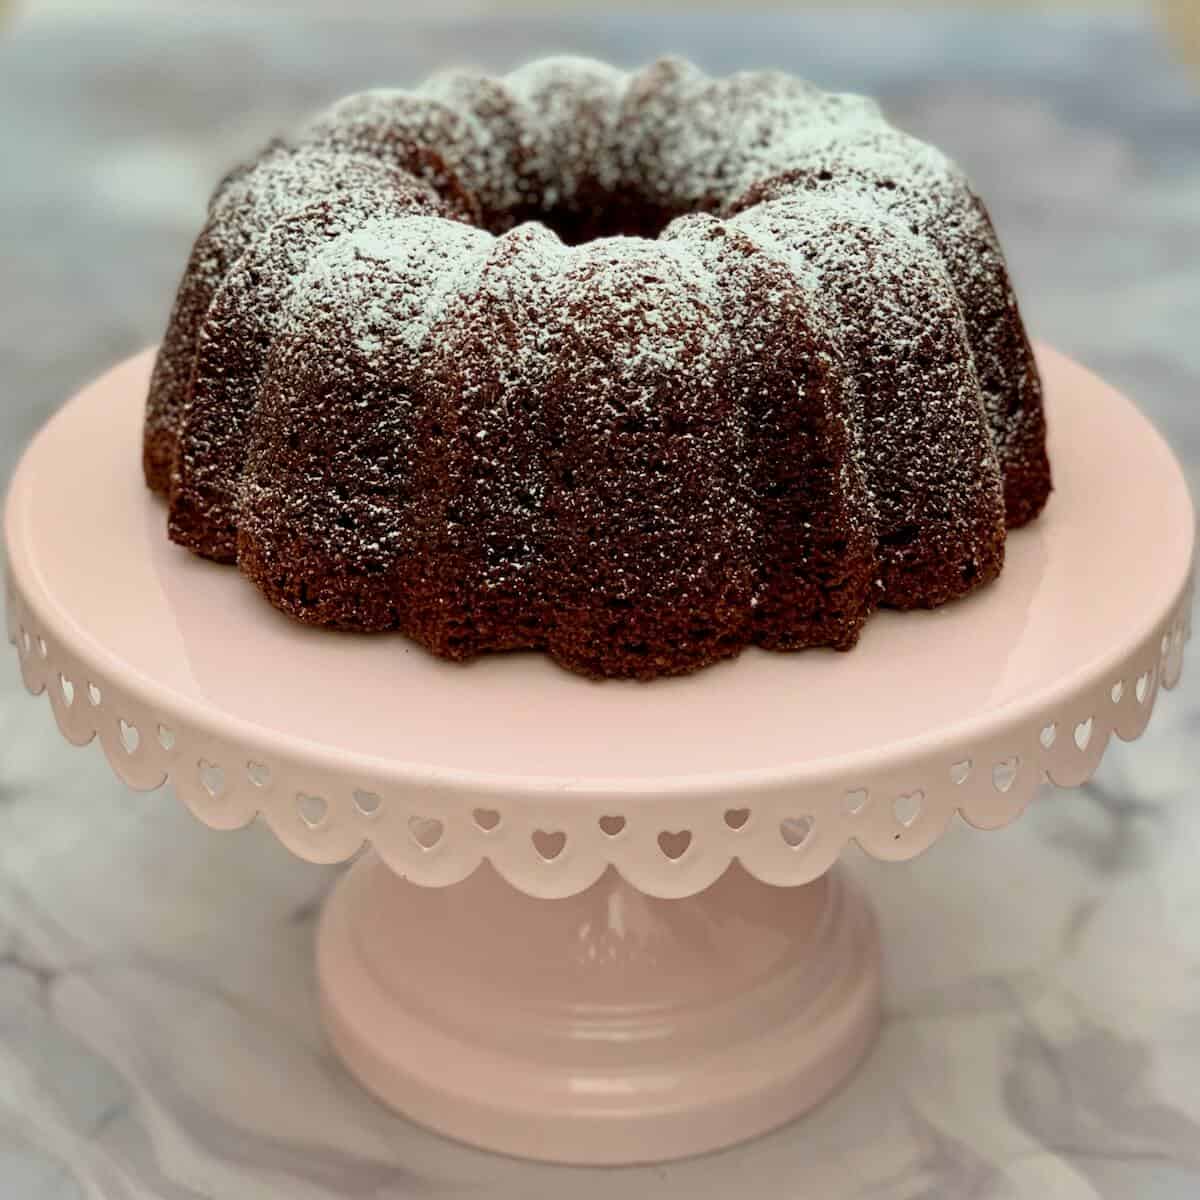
[(634, 369)]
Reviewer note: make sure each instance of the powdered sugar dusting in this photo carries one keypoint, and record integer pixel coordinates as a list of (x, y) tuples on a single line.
[(573, 105), (650, 295), (395, 275), (500, 154), (696, 142)]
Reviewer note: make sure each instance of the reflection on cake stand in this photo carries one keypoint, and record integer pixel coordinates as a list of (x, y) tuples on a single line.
[(647, 950)]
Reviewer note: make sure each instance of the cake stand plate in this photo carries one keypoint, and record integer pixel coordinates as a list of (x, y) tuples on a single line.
[(671, 998)]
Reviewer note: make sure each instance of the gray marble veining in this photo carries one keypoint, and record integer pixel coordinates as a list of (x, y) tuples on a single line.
[(158, 1031)]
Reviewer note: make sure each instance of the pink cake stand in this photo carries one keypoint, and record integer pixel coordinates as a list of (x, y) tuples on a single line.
[(616, 973)]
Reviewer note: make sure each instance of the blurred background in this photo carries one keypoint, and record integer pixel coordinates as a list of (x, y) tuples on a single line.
[(1042, 1040)]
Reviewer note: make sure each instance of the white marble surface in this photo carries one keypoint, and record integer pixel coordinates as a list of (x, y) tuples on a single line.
[(158, 1031)]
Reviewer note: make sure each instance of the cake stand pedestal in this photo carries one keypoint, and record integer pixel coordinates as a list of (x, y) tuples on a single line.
[(618, 973)]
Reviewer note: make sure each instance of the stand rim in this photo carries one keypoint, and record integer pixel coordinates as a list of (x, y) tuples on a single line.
[(52, 635)]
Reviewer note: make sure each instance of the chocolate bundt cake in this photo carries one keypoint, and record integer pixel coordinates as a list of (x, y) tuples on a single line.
[(638, 369)]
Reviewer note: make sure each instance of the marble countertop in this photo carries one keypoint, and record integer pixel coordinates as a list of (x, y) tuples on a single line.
[(158, 1027)]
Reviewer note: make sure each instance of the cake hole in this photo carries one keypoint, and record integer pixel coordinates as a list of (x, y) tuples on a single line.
[(736, 818), (43, 649), (612, 825), (166, 737), (1142, 689), (960, 772), (1004, 774), (908, 807), (258, 773), (486, 818), (67, 688), (1118, 691), (426, 831), (674, 845), (1049, 735), (1083, 733), (94, 695), (367, 803), (312, 809), (212, 778), (130, 738), (795, 830), (549, 843), (854, 802)]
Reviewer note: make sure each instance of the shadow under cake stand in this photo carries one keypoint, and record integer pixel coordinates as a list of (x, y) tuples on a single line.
[(617, 973)]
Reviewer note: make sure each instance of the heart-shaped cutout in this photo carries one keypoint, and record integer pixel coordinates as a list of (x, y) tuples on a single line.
[(611, 826), (1118, 691), (960, 772), (855, 801), (94, 695), (1143, 687), (1049, 735), (166, 737), (486, 818), (736, 818), (67, 688), (426, 831), (549, 843), (312, 809), (130, 738), (908, 807), (212, 777), (1083, 733), (367, 803), (795, 830), (674, 845), (1004, 774)]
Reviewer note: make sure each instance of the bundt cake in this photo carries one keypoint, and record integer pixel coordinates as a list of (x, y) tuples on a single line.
[(637, 369)]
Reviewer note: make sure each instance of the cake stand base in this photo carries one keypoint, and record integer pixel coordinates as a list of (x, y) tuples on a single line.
[(607, 1027)]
